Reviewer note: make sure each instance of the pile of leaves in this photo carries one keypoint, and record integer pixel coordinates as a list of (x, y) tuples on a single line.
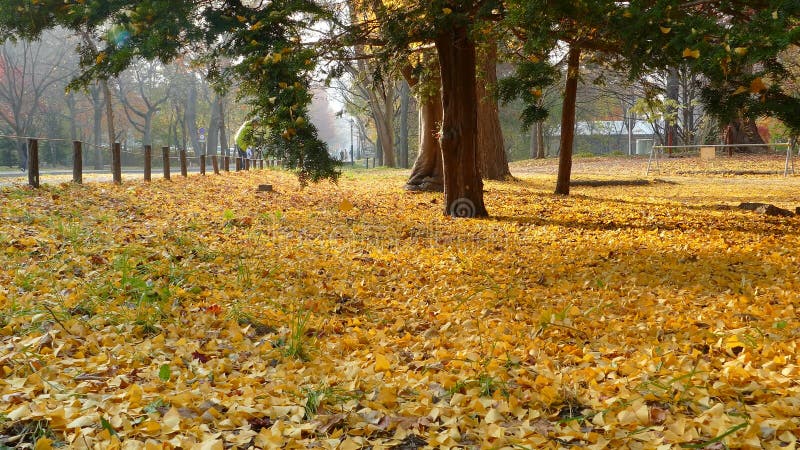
[(200, 313)]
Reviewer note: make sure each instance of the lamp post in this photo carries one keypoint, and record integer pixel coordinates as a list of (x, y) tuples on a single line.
[(352, 159)]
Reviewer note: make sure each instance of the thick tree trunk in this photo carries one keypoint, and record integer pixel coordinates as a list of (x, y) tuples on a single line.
[(742, 131), (402, 140), (109, 113), (673, 90), (493, 161), (537, 141), (387, 143), (190, 117), (427, 175), (223, 132), (148, 129), (568, 121), (463, 187), (97, 105)]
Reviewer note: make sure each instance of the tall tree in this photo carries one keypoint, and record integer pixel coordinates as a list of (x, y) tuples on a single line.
[(402, 135), (142, 93), (719, 40), (493, 160), (427, 173), (28, 70)]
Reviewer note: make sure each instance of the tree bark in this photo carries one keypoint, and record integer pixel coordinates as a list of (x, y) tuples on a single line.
[(109, 113), (402, 141), (214, 126), (671, 127), (223, 132), (493, 161), (97, 105), (742, 131), (537, 141), (190, 116), (463, 187), (427, 174), (568, 121)]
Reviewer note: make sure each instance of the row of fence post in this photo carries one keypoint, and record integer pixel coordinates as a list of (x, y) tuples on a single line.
[(116, 163)]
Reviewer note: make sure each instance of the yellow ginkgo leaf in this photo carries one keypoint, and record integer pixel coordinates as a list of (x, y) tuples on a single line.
[(345, 206), (741, 51), (447, 11), (381, 363), (757, 85), (665, 30), (689, 53), (43, 444)]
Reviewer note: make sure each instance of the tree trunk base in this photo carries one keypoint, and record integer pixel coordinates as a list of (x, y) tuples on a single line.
[(428, 184)]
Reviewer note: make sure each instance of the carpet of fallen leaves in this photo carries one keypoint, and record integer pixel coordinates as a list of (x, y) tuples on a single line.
[(200, 313)]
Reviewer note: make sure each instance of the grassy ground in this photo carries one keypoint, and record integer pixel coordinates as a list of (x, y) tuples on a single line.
[(198, 313)]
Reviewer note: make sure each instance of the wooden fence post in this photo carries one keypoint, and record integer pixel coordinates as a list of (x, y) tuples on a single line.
[(33, 163), (184, 171), (202, 164), (226, 160), (215, 164), (116, 163), (77, 162), (165, 156), (148, 167), (260, 163), (238, 163)]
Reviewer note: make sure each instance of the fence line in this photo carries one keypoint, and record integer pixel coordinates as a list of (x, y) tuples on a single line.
[(28, 138), (711, 148), (116, 161)]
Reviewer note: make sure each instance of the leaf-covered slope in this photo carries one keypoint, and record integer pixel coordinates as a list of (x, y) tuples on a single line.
[(206, 315)]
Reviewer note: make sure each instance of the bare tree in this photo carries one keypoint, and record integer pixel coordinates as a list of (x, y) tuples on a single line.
[(27, 71), (143, 90)]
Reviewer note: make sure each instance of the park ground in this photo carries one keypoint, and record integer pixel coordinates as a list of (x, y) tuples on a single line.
[(639, 312)]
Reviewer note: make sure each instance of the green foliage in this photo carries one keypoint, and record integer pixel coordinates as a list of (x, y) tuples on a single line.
[(737, 56), (259, 46), (164, 372), (297, 344), (317, 397)]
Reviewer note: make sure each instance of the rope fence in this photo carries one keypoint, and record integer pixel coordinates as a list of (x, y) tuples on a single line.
[(119, 158)]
